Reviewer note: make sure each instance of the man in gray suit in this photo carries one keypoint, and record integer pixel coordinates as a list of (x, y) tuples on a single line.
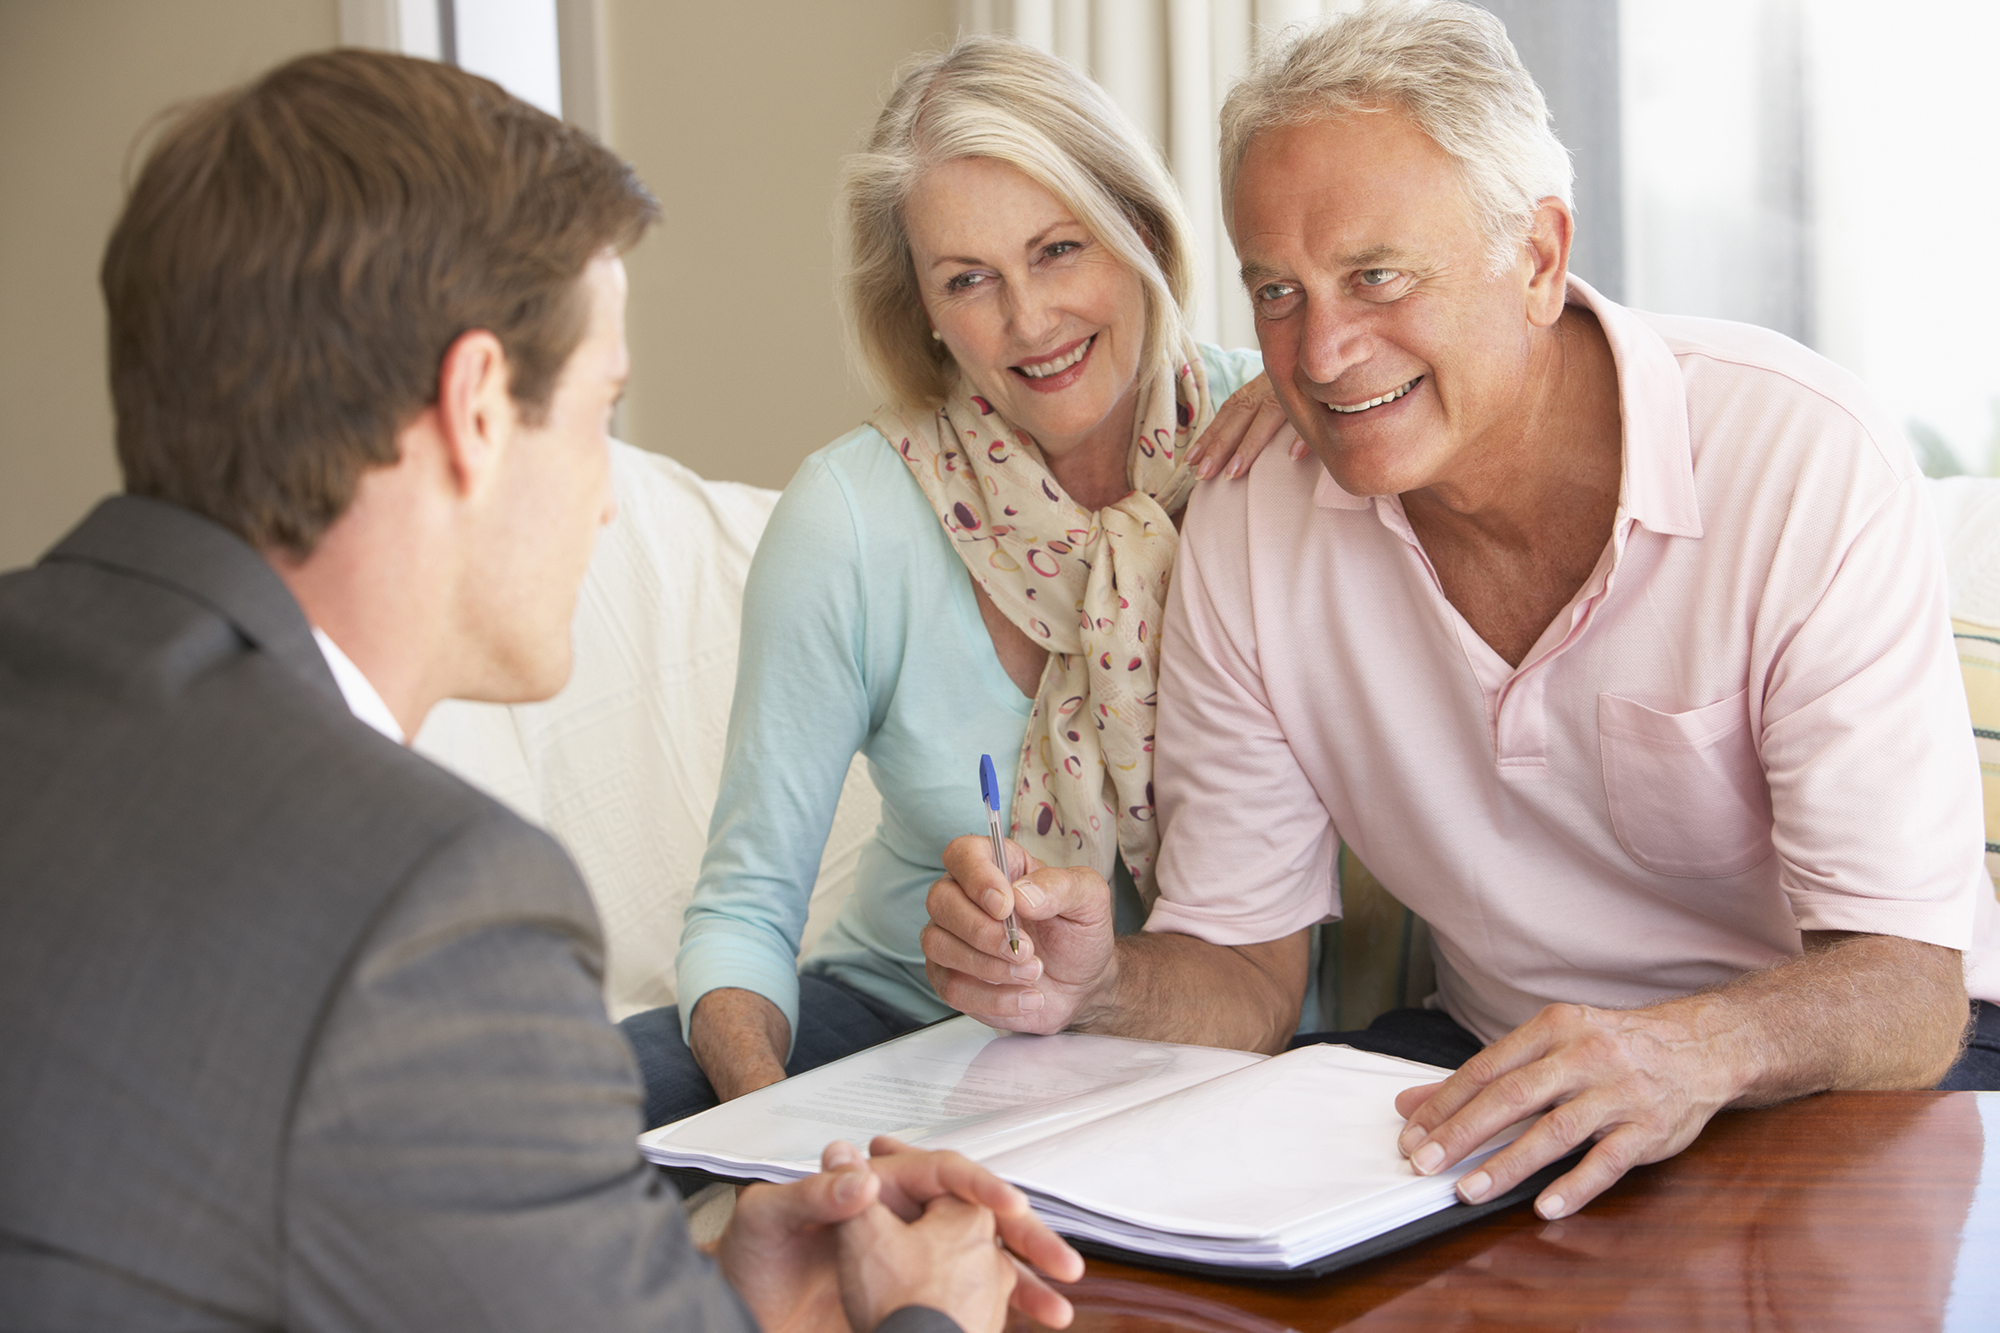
[(297, 1030)]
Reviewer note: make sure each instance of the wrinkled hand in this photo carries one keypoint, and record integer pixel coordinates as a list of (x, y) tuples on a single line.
[(1251, 421), (785, 1254), (1065, 921), (1641, 1083), (780, 1250), (916, 1186), (946, 1260)]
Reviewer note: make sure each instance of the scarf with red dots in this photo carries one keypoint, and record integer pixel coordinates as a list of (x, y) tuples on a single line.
[(1091, 586)]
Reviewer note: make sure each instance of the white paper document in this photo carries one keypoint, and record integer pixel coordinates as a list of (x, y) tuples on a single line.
[(1191, 1152)]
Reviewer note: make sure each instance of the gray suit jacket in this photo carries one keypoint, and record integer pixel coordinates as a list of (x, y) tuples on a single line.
[(296, 1029)]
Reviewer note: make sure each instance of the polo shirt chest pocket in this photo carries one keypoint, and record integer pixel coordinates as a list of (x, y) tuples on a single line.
[(1686, 790)]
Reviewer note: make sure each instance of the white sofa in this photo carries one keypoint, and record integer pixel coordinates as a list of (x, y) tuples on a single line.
[(624, 764), (1968, 510)]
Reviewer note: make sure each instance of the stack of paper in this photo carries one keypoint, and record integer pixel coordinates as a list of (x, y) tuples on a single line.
[(1185, 1152)]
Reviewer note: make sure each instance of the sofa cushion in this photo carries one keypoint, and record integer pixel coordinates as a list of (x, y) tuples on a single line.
[(623, 765), (1968, 512), (1979, 656)]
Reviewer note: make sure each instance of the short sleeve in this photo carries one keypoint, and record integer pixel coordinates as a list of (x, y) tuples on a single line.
[(1864, 713), (1233, 869)]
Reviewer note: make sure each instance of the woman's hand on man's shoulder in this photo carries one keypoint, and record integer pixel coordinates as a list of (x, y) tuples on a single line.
[(1250, 422)]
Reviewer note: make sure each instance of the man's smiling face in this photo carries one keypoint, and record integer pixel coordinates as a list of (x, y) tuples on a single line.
[(1400, 355)]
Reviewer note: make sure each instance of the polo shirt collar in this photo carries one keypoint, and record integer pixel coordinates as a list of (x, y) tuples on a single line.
[(1656, 486)]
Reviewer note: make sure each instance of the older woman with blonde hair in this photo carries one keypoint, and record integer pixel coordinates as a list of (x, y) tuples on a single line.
[(980, 569)]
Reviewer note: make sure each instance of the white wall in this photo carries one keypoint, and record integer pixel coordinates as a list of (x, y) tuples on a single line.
[(513, 43), (78, 80), (1907, 167), (738, 116), (1888, 262)]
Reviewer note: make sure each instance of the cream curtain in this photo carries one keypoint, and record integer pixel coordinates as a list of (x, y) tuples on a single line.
[(1169, 64)]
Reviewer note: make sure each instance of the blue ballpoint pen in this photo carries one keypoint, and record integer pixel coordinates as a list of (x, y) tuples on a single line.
[(989, 791)]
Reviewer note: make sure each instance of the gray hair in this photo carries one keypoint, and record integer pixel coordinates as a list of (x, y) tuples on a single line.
[(998, 98), (1448, 67)]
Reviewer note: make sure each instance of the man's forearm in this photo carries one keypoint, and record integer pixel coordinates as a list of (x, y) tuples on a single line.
[(1166, 987), (1851, 1012), (739, 1039)]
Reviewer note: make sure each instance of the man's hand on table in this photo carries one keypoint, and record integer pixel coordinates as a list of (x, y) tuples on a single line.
[(1065, 922), (1853, 1011), (868, 1236), (1638, 1081)]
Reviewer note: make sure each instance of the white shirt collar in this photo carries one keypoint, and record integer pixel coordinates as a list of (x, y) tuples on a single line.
[(362, 700)]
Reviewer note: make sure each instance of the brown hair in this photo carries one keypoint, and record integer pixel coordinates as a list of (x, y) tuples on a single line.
[(296, 257)]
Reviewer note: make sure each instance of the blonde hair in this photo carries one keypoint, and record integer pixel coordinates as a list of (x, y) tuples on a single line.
[(998, 98), (1448, 67)]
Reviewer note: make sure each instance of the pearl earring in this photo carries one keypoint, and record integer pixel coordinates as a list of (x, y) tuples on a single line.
[(936, 336)]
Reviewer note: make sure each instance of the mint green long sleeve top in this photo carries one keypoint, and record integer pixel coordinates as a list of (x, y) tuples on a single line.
[(860, 633)]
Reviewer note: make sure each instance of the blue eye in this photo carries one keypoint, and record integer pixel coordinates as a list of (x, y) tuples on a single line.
[(1275, 300), (1375, 277)]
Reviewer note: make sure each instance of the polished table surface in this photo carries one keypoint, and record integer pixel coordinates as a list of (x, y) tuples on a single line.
[(1849, 1210)]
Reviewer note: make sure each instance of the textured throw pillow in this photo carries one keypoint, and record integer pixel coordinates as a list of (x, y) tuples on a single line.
[(1979, 656), (623, 765)]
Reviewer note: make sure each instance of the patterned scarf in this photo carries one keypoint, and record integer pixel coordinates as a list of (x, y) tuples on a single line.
[(1090, 587)]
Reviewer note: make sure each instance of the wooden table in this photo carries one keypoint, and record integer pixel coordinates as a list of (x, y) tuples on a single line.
[(1842, 1211)]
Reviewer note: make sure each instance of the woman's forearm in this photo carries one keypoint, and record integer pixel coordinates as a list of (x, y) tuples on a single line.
[(739, 1039)]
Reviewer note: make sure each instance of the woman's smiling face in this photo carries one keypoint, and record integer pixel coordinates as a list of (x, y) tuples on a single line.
[(1046, 323)]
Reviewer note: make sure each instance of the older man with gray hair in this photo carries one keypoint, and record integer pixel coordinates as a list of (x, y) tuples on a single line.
[(1616, 644)]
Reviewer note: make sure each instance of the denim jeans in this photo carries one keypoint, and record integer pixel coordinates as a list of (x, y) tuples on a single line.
[(834, 1020), (1428, 1036), (1978, 1069)]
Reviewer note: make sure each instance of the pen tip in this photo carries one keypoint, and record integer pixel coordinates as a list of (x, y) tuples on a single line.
[(1014, 946)]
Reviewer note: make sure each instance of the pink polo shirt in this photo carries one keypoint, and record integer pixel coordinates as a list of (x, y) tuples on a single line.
[(1749, 722)]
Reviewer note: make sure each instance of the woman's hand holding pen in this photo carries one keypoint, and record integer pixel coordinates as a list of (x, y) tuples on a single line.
[(1066, 961)]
